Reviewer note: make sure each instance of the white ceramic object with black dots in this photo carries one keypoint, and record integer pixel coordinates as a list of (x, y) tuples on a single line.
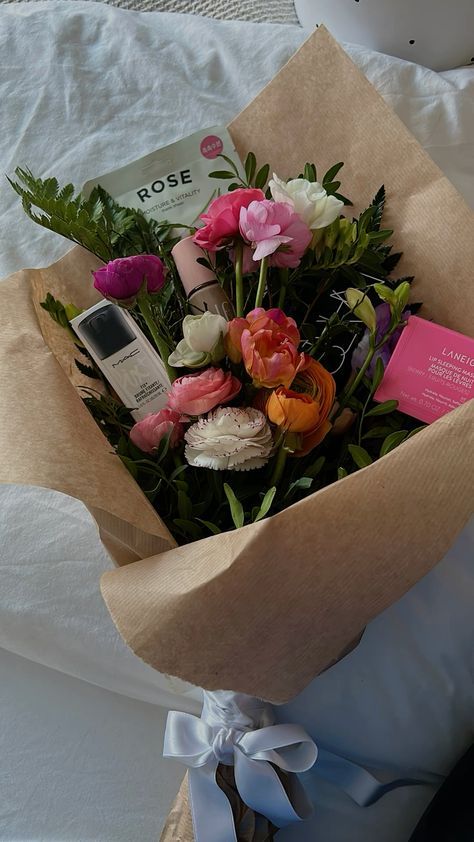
[(435, 33)]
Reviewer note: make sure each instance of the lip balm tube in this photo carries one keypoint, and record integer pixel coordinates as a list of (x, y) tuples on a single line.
[(127, 360), (202, 288)]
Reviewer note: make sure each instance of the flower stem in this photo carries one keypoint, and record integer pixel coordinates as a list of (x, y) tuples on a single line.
[(161, 345), (280, 462), (261, 282), (284, 284), (360, 374), (239, 287)]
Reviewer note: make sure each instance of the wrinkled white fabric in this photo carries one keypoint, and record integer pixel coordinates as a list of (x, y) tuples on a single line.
[(51, 609), (109, 85), (79, 764), (85, 88)]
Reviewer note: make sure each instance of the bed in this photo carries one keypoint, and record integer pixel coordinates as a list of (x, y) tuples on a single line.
[(84, 89)]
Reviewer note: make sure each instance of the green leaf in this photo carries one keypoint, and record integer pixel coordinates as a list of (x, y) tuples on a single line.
[(382, 408), (262, 176), (310, 173), (87, 370), (180, 469), (331, 173), (185, 506), (163, 447), (385, 293), (236, 508), (231, 163), (315, 468), (377, 432), (392, 441), (211, 526), (266, 504), (379, 204), (221, 174), (303, 483), (189, 528), (250, 167), (360, 456), (415, 431), (380, 236), (344, 200), (130, 465), (378, 375), (341, 473), (56, 310)]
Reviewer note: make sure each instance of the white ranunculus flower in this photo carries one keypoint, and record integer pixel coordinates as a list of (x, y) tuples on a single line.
[(203, 341), (203, 332), (309, 199), (229, 438)]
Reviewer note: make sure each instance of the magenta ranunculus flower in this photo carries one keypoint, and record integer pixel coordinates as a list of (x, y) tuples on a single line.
[(122, 279), (221, 220), (275, 231), (196, 394), (147, 434)]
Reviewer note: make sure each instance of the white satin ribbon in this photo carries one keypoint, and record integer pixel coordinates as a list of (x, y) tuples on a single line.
[(202, 746)]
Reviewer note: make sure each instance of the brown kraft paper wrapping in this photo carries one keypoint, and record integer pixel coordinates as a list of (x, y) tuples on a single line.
[(264, 609)]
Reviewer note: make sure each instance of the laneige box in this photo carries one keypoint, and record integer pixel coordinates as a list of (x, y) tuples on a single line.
[(430, 372)]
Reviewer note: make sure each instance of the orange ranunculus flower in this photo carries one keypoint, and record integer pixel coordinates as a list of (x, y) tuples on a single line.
[(292, 411), (304, 412), (267, 342), (275, 321)]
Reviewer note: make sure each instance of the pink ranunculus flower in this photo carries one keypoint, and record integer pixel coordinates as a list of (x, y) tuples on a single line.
[(221, 220), (195, 394), (275, 231), (122, 279), (147, 434), (274, 321)]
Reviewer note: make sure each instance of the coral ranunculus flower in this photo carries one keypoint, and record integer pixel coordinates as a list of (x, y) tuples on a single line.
[(196, 394), (305, 412), (267, 341), (221, 220)]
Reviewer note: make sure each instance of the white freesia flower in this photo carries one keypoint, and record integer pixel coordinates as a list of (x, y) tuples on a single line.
[(232, 438), (203, 341), (309, 199)]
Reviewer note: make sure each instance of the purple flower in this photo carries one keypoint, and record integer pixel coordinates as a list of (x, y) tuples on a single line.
[(382, 313), (122, 279)]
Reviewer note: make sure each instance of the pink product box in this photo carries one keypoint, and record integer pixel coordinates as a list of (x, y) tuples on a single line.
[(431, 371)]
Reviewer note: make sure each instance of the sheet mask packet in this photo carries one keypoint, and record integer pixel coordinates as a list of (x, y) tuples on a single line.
[(172, 184), (262, 610)]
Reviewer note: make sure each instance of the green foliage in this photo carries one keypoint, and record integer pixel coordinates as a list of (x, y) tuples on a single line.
[(360, 456), (236, 508), (59, 312), (98, 223), (350, 253)]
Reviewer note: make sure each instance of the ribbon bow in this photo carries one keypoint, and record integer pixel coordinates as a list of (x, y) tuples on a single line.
[(202, 747)]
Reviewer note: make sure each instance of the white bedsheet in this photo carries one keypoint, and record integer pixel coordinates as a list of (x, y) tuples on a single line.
[(85, 88)]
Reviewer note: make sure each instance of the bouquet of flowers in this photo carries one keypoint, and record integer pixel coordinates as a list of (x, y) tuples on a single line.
[(273, 400), (269, 391)]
